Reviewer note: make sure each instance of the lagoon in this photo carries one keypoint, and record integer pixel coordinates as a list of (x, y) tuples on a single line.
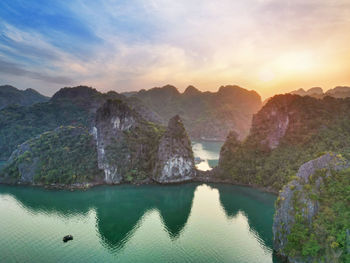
[(208, 152), (150, 223)]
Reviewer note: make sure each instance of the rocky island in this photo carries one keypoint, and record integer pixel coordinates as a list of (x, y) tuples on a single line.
[(120, 147)]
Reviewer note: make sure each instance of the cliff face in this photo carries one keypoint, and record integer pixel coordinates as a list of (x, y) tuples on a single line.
[(287, 117), (275, 122), (131, 149), (302, 207), (288, 131), (175, 161), (126, 143), (111, 121)]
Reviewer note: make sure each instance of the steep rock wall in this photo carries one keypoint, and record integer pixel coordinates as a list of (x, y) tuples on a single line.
[(175, 161), (298, 205), (112, 120)]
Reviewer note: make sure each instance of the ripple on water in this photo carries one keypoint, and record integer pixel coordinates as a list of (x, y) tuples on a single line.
[(180, 223)]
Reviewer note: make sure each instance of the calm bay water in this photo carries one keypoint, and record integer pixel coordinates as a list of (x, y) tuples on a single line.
[(208, 151), (180, 223)]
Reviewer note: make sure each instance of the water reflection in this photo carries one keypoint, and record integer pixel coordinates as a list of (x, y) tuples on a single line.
[(120, 213), (255, 205), (118, 209)]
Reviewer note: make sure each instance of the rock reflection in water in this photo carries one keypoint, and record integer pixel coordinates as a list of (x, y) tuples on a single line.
[(202, 223)]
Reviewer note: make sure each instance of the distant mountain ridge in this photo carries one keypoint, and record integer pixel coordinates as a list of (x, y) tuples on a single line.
[(10, 95), (206, 115), (317, 92)]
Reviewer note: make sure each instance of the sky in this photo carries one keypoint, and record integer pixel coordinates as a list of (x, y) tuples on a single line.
[(271, 46)]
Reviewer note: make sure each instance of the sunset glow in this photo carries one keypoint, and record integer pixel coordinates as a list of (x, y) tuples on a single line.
[(270, 46)]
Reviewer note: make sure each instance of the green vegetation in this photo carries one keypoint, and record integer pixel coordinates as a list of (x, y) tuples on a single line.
[(315, 126), (66, 155), (18, 124), (11, 96), (325, 238), (137, 151), (204, 114), (212, 163), (69, 106)]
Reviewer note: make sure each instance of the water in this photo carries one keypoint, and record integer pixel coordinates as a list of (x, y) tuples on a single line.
[(208, 151), (180, 223)]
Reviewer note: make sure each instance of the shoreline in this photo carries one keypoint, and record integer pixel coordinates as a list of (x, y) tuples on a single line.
[(222, 181), (202, 177), (87, 186)]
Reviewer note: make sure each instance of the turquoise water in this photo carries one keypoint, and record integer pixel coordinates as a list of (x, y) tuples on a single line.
[(208, 151), (180, 223)]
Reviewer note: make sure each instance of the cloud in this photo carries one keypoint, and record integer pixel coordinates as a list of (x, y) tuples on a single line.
[(133, 44), (16, 70)]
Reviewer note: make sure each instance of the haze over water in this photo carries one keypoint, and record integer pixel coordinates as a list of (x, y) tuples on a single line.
[(208, 152)]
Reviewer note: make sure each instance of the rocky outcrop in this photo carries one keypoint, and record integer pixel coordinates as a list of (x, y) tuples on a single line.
[(297, 203), (121, 147), (25, 169), (287, 117), (175, 161), (112, 120), (288, 131), (279, 129), (273, 120), (126, 143)]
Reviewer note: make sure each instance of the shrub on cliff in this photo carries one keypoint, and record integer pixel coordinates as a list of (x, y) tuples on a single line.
[(66, 155), (287, 132)]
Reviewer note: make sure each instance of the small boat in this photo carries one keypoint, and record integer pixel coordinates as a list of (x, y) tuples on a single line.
[(67, 238)]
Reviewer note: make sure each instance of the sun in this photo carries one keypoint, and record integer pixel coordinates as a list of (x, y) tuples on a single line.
[(295, 62), (287, 65), (266, 75)]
